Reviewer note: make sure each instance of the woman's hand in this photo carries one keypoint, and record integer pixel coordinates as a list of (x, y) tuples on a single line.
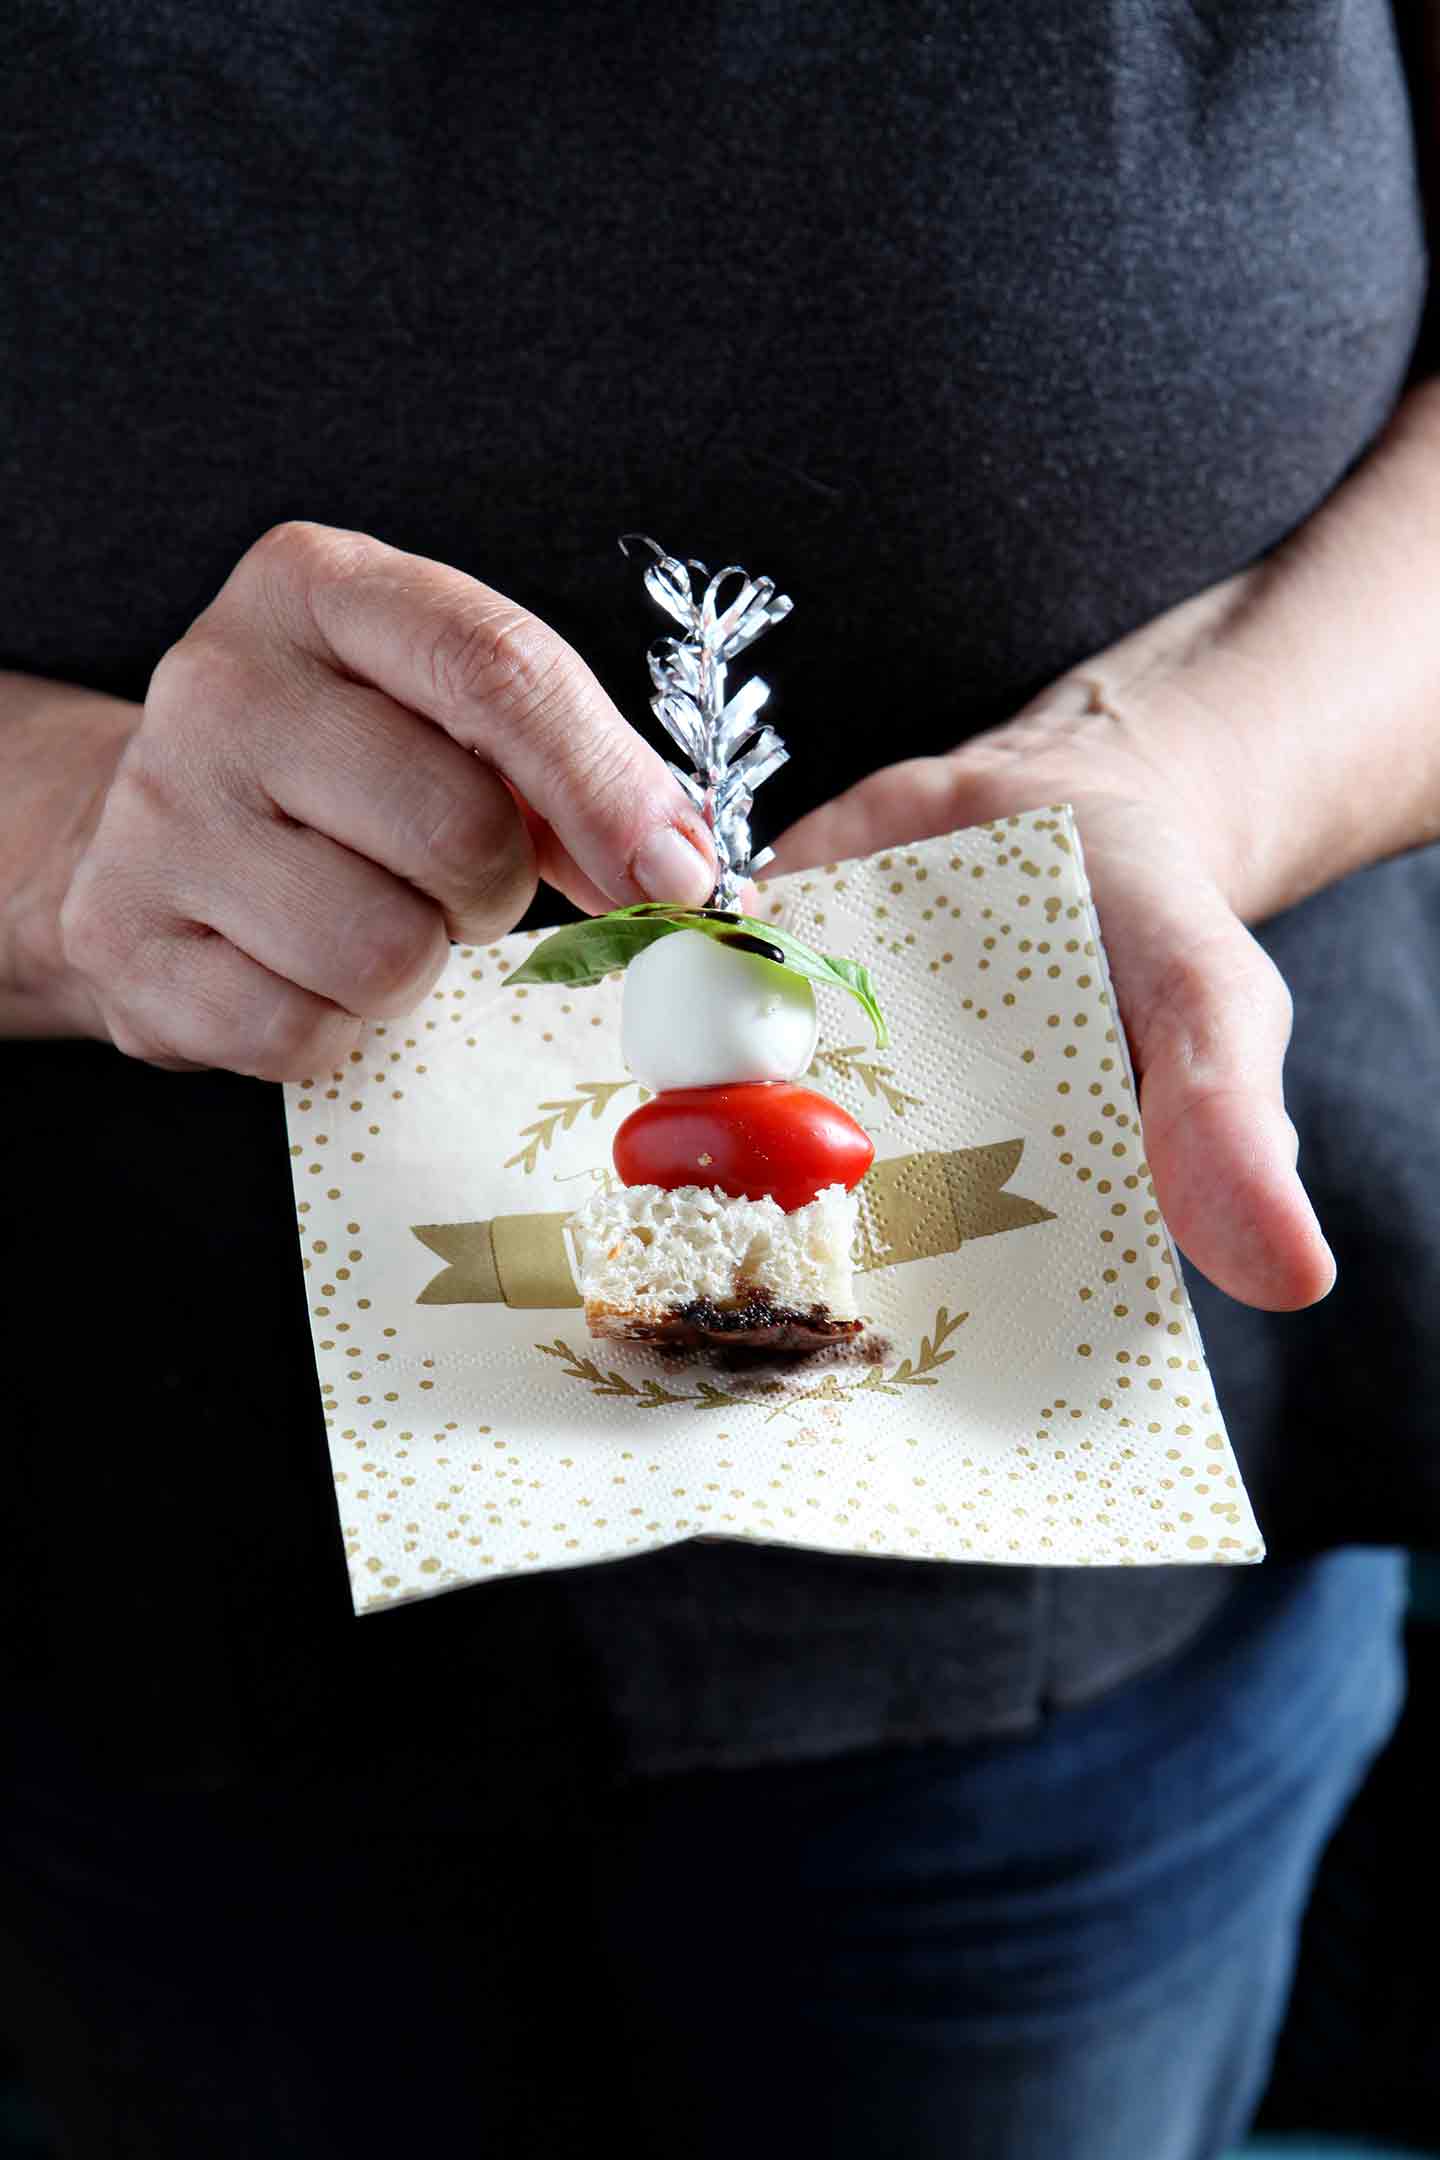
[(351, 758), (1169, 852)]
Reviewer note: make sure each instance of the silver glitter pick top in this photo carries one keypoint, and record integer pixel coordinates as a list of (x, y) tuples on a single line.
[(730, 751)]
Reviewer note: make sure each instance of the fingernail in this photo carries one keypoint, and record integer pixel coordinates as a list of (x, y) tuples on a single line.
[(669, 868)]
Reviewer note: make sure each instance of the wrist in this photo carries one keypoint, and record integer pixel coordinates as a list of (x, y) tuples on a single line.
[(59, 749), (1183, 721)]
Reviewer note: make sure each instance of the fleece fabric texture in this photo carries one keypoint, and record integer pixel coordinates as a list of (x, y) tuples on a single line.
[(990, 331)]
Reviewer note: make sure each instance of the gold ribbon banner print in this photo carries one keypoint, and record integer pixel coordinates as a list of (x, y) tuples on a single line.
[(913, 1207)]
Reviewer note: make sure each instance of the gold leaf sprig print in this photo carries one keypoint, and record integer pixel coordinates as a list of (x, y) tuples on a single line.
[(920, 1373), (851, 1063), (910, 1372), (652, 1394), (595, 1096), (645, 1394)]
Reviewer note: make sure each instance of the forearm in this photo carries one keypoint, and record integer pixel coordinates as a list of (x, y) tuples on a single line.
[(1342, 630), (59, 747), (1299, 704)]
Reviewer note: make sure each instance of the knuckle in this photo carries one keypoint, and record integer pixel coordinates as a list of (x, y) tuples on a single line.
[(293, 547), (205, 681), (94, 935), (524, 652), (148, 789), (220, 708), (504, 660), (297, 557), (182, 676), (141, 1043)]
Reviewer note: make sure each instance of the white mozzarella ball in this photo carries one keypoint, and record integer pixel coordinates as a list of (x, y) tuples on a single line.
[(697, 1014)]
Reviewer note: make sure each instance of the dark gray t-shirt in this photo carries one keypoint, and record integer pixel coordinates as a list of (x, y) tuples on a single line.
[(991, 331)]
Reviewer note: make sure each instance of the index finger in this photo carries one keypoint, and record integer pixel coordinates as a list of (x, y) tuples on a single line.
[(501, 683)]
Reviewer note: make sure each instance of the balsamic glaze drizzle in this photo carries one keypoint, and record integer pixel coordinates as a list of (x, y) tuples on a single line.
[(743, 941)]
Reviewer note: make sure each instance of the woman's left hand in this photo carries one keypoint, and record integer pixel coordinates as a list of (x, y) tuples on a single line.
[(1171, 857)]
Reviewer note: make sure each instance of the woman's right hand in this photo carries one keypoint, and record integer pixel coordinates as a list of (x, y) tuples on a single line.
[(351, 758)]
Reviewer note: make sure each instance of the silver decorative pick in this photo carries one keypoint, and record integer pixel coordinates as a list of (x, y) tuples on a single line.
[(731, 752)]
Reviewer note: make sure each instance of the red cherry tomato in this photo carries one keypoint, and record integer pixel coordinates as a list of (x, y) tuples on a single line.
[(754, 1139)]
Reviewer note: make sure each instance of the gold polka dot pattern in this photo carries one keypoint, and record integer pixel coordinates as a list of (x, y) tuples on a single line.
[(1039, 1395)]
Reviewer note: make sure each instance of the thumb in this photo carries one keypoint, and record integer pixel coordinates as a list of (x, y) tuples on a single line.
[(1209, 1021)]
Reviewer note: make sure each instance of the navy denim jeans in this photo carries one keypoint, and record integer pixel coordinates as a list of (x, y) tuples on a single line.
[(1074, 1945)]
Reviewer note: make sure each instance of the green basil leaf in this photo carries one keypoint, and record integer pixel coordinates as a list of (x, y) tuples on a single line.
[(856, 978), (585, 952), (802, 959)]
